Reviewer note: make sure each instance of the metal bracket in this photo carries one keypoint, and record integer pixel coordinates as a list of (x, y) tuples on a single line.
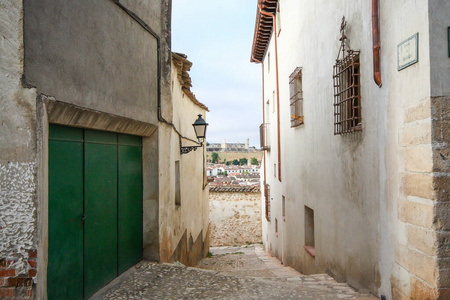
[(185, 150)]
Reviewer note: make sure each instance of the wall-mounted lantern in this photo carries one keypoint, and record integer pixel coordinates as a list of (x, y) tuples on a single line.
[(200, 131)]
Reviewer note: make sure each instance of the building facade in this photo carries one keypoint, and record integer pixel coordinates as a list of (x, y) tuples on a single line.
[(356, 139), (91, 175)]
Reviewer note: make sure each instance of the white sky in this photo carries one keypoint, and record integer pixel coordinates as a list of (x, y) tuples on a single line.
[(217, 37)]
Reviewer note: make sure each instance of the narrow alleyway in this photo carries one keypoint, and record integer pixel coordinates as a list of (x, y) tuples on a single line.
[(245, 272)]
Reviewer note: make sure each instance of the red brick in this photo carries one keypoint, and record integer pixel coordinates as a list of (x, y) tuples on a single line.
[(32, 254), (2, 282), (32, 263), (7, 273), (32, 273), (19, 281), (5, 263), (7, 292)]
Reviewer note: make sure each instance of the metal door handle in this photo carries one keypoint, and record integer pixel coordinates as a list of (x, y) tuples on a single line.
[(83, 217)]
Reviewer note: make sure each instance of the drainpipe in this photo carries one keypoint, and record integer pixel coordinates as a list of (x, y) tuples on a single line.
[(376, 43), (278, 86), (264, 116), (158, 44)]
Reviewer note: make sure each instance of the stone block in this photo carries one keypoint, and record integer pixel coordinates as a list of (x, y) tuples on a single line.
[(444, 294), (442, 187), (441, 131), (442, 211), (397, 294), (400, 279), (416, 134), (401, 256), (421, 290), (419, 158), (422, 266), (420, 185), (422, 239), (441, 158), (416, 213), (419, 112), (440, 108), (444, 278), (443, 245)]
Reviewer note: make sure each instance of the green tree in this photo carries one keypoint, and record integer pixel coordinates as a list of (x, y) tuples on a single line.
[(215, 157), (243, 161), (235, 162), (254, 161), (228, 163)]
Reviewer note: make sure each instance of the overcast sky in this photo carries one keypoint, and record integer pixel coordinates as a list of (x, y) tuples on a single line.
[(217, 37)]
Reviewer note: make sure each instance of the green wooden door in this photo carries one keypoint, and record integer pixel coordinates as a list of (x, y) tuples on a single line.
[(130, 203), (100, 208), (96, 177), (65, 209)]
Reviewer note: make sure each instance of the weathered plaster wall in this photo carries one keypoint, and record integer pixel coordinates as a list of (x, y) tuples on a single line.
[(92, 54), (358, 185), (235, 217), (98, 69), (181, 226), (18, 159)]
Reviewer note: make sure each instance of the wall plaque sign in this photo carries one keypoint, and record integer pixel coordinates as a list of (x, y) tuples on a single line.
[(408, 52)]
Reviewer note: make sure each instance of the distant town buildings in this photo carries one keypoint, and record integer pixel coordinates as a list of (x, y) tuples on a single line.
[(223, 175), (230, 147)]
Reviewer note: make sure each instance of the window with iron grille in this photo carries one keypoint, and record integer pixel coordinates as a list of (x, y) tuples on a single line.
[(267, 200), (346, 82), (296, 97)]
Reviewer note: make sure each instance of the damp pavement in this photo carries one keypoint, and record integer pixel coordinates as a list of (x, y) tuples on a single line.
[(244, 272)]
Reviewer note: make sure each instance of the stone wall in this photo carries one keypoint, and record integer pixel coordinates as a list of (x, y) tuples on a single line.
[(235, 215)]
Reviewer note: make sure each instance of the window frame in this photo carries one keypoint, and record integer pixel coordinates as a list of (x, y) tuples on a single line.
[(296, 97)]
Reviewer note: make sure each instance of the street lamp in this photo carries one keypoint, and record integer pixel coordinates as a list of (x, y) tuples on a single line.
[(200, 131)]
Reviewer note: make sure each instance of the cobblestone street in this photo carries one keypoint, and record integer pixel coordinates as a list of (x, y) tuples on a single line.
[(245, 272)]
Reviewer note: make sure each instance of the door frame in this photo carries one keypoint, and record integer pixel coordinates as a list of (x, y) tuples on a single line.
[(49, 110)]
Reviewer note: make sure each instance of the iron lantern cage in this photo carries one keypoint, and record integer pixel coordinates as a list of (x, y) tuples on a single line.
[(200, 131), (200, 127)]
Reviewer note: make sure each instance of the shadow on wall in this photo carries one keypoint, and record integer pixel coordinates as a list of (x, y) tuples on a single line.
[(190, 255)]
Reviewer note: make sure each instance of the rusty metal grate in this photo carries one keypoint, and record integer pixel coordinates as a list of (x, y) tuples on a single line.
[(267, 200), (296, 97), (346, 82)]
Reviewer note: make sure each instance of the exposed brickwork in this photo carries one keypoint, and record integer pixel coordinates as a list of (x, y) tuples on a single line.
[(14, 285)]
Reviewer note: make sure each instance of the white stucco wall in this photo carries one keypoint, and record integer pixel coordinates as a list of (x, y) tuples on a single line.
[(353, 182), (192, 214)]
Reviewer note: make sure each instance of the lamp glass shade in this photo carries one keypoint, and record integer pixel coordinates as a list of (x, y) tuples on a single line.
[(200, 127)]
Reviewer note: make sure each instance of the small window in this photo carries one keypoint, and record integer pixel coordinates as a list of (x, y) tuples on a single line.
[(177, 184), (283, 208), (268, 62), (275, 170), (267, 201), (276, 226), (309, 231), (296, 97)]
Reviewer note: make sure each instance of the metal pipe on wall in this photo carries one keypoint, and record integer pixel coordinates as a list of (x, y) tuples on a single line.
[(376, 43)]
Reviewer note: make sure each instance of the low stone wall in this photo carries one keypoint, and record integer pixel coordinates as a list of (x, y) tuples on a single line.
[(235, 215)]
